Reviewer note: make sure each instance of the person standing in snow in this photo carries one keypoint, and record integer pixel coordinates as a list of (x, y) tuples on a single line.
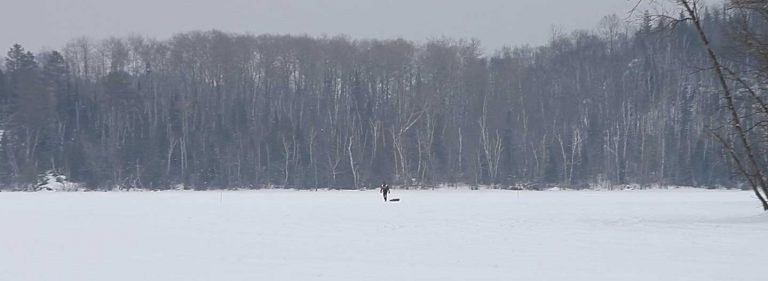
[(384, 190)]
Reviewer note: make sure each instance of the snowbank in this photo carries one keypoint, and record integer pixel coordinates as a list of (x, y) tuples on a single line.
[(52, 181)]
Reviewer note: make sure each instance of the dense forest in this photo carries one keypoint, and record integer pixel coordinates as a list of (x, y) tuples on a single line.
[(624, 103)]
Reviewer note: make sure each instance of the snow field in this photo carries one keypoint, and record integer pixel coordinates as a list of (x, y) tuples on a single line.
[(353, 235)]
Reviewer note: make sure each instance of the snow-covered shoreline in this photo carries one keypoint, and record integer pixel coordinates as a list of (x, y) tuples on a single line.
[(80, 188), (55, 183)]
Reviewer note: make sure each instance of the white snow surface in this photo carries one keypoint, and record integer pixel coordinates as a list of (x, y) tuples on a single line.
[(352, 235)]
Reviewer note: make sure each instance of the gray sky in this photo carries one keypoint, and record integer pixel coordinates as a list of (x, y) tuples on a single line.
[(49, 24)]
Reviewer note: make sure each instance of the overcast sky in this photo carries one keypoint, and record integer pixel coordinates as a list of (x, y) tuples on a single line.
[(49, 24)]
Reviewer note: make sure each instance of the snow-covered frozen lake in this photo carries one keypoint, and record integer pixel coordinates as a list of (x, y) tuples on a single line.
[(353, 235)]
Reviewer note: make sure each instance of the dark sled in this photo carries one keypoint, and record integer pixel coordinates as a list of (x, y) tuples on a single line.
[(394, 200)]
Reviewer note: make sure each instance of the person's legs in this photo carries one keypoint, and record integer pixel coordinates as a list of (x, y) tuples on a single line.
[(385, 196)]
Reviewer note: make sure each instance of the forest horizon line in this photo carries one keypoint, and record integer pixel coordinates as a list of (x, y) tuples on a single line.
[(618, 104)]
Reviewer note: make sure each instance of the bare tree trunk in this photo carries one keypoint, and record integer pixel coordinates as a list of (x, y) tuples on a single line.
[(286, 164), (575, 148), (171, 146), (492, 146), (752, 172), (565, 158), (352, 161)]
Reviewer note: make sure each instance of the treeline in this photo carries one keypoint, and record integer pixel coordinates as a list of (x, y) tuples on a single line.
[(210, 109)]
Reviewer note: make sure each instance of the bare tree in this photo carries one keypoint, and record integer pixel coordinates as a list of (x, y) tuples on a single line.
[(744, 153)]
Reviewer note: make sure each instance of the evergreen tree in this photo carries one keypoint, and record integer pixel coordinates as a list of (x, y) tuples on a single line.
[(3, 97), (646, 23), (20, 66), (31, 115), (55, 74), (5, 169)]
